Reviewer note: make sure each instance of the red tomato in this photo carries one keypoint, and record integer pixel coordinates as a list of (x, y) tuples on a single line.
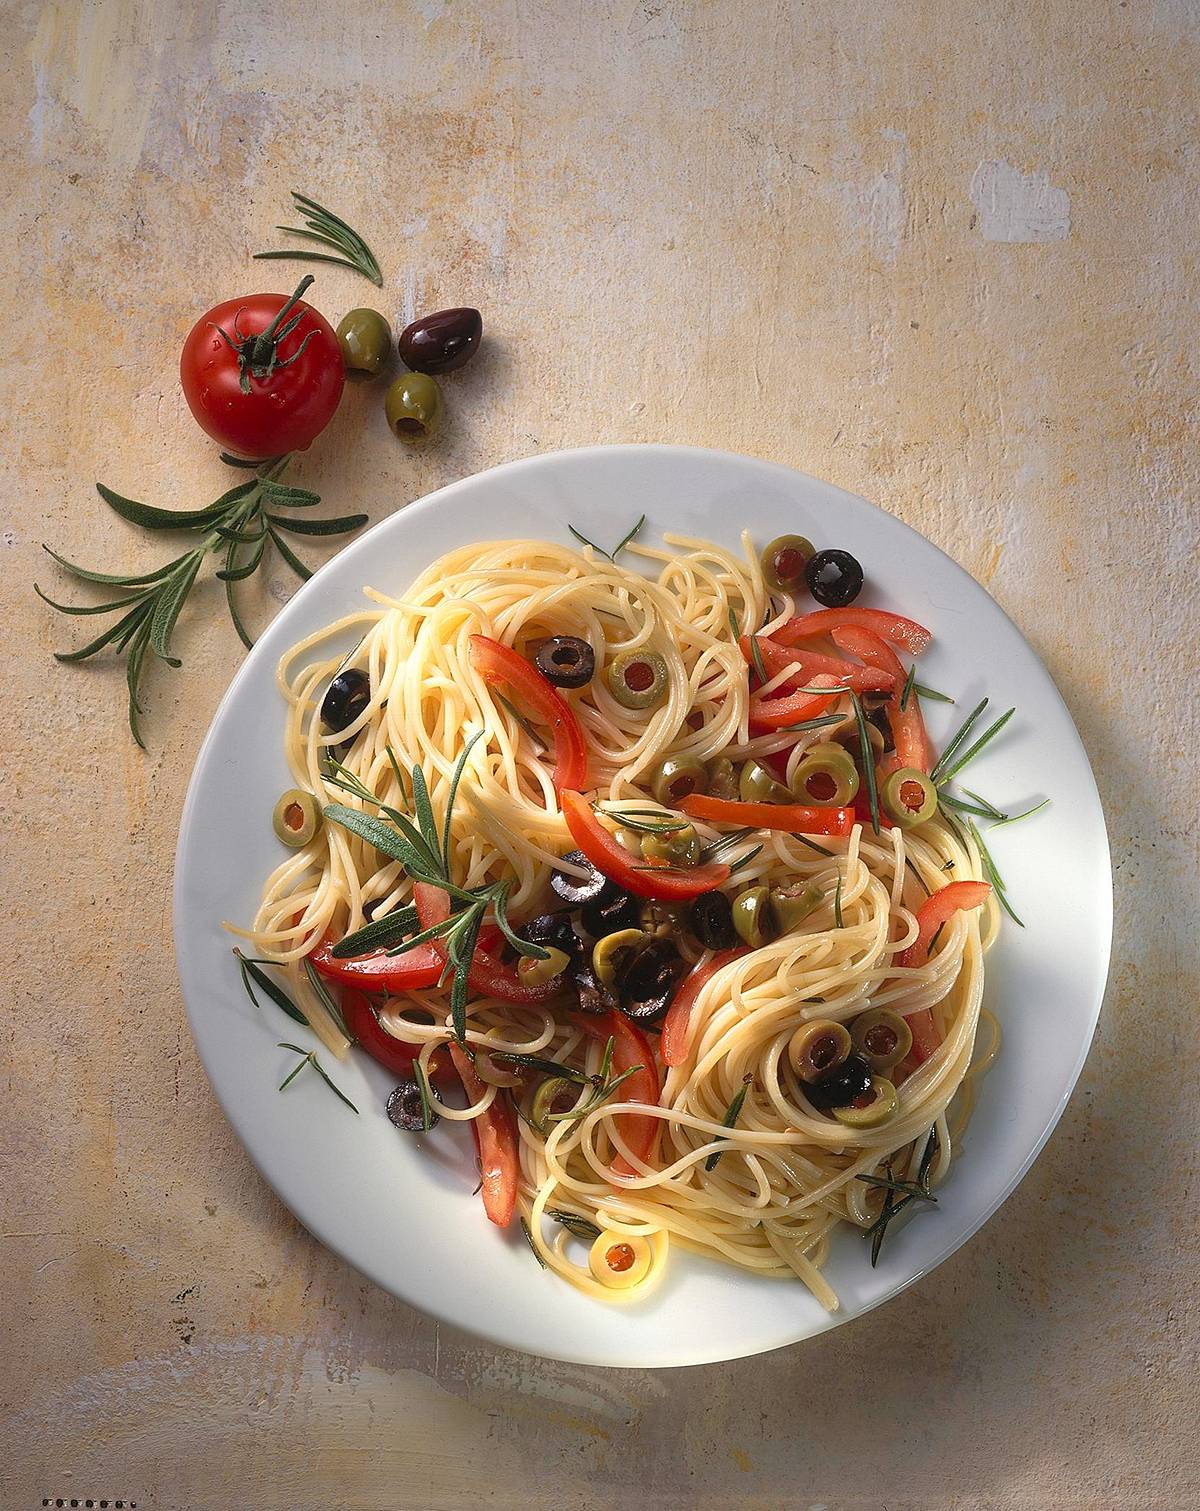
[(258, 384)]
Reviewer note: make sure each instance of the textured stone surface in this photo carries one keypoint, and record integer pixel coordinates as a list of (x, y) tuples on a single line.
[(941, 254)]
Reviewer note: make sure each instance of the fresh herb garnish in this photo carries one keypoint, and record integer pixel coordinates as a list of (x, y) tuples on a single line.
[(982, 809), (644, 820), (580, 1227), (864, 745), (960, 734), (530, 1242), (812, 845), (909, 682), (520, 719), (324, 996), (309, 1057), (730, 1118), (820, 722), (734, 627), (920, 880), (244, 516), (328, 230), (946, 772), (718, 846), (990, 871), (1013, 818), (426, 1102), (837, 902), (931, 693), (253, 976), (756, 657), (744, 860), (892, 1207), (546, 1067), (617, 549), (903, 1187)]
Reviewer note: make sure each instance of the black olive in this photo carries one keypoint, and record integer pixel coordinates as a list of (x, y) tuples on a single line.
[(575, 889), (566, 661), (349, 693), (834, 578), (405, 1109), (878, 717), (711, 919), (594, 996), (441, 342), (610, 913), (851, 1079), (650, 981), (553, 929)]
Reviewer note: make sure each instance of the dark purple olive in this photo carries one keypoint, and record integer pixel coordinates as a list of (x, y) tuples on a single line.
[(594, 997), (576, 889), (650, 981), (609, 913), (851, 1079), (710, 918), (834, 578), (554, 929), (348, 694), (439, 343), (566, 661), (878, 717), (406, 1110)]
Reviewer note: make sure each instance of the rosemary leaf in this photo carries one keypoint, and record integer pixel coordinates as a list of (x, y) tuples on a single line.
[(931, 693), (744, 860), (1016, 817), (325, 997), (909, 682), (963, 730), (990, 871), (730, 1118), (575, 1224), (948, 800), (756, 658), (379, 934), (308, 1057), (536, 1062), (837, 903), (276, 993), (864, 744), (617, 549), (532, 1246), (426, 1102), (947, 772), (338, 526), (302, 572), (888, 1183)]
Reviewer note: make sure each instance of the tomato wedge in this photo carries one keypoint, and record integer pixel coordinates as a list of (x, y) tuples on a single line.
[(379, 971), (931, 915), (612, 858), (630, 1047), (913, 637), (677, 1023), (908, 727), (792, 708), (365, 1029), (792, 818), (809, 664), (500, 663), (488, 976), (495, 1134)]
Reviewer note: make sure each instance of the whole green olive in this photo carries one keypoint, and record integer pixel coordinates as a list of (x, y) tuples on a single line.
[(678, 777), (784, 561), (637, 679), (909, 798), (679, 847), (441, 342), (365, 338), (753, 917), (817, 1048), (882, 1037), (553, 1095), (792, 905), (757, 785), (722, 778), (297, 818), (535, 972), (414, 406)]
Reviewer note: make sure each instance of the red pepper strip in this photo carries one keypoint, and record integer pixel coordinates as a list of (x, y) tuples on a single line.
[(677, 1023), (862, 808), (379, 971), (809, 664), (931, 915), (488, 976), (630, 1047), (396, 1055), (908, 727), (792, 708), (913, 637), (619, 865), (495, 1142), (793, 818), (500, 663)]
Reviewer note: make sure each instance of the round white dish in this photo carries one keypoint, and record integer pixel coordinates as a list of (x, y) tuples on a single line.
[(410, 1222)]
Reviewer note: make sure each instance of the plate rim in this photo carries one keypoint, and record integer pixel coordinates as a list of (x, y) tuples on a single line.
[(431, 501)]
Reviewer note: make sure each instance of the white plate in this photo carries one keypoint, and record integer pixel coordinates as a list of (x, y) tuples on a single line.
[(411, 1222)]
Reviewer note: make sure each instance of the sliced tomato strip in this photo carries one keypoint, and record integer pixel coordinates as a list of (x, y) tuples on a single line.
[(396, 1055), (488, 976), (677, 1024), (379, 971), (792, 708), (931, 915), (908, 727), (619, 865), (630, 1047), (498, 663), (495, 1134), (777, 658), (913, 637), (792, 818)]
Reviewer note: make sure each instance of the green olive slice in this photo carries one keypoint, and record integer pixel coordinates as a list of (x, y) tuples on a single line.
[(535, 972), (681, 847), (817, 1048), (297, 817), (722, 778), (826, 776), (637, 679), (877, 1105), (556, 1089), (612, 955), (414, 406), (678, 777), (909, 797), (792, 905), (365, 338), (784, 561), (753, 917), (882, 1037), (757, 785)]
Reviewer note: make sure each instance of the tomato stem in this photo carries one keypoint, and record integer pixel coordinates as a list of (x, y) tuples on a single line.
[(257, 354)]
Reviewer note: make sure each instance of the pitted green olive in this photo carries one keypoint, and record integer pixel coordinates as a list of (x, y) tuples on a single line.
[(753, 917), (414, 406), (297, 818), (826, 775), (680, 847), (784, 561), (817, 1048), (871, 1108), (792, 905), (535, 972), (612, 955), (678, 777), (637, 679), (757, 785), (557, 1089), (909, 797), (365, 338), (722, 778), (882, 1037)]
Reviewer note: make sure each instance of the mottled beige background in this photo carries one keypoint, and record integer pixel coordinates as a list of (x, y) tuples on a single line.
[(943, 254)]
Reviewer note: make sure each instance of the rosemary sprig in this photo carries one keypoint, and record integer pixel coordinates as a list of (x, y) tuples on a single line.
[(990, 871), (309, 1057), (756, 657), (893, 1207), (644, 820), (325, 997), (243, 519), (530, 1242), (602, 1092), (820, 722), (546, 1067), (960, 734), (253, 976), (327, 230), (578, 1226), (983, 809), (864, 744), (931, 693), (744, 860), (426, 1102), (717, 848), (946, 772), (618, 548), (731, 1116), (837, 902), (903, 1187), (909, 683), (1013, 818)]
